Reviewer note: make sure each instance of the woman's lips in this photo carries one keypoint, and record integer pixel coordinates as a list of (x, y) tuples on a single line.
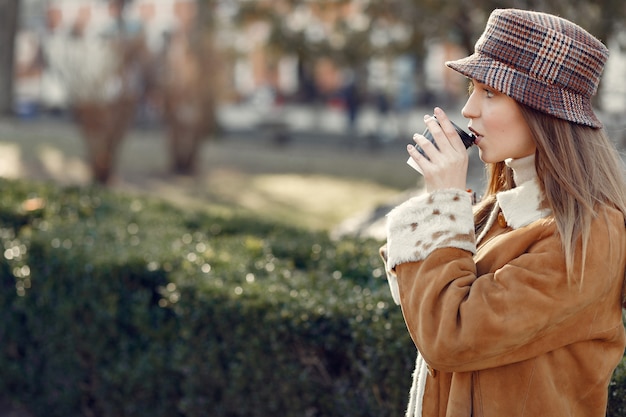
[(477, 136)]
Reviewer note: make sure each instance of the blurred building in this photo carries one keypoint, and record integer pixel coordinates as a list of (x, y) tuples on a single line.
[(254, 71)]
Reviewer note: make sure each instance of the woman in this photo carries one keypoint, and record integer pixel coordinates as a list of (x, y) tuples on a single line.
[(515, 305)]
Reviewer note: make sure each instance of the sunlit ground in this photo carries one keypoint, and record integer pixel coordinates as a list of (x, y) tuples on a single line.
[(315, 201), (316, 183)]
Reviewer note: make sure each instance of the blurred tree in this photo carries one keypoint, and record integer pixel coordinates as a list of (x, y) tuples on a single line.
[(188, 84), (346, 31), (8, 28), (350, 33), (105, 79)]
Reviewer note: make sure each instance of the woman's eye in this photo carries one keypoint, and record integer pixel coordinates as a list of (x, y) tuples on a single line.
[(489, 93)]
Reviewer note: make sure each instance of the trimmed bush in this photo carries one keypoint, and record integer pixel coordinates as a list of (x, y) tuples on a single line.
[(617, 391), (118, 305)]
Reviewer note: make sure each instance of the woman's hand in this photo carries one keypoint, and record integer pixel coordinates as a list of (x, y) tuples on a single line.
[(445, 167)]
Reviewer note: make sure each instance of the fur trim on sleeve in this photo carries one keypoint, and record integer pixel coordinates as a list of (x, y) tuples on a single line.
[(423, 224)]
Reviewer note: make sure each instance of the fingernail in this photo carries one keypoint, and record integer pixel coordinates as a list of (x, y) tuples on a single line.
[(426, 117), (437, 110)]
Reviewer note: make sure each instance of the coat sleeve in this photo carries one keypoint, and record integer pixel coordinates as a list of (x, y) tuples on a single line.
[(421, 225), (461, 320)]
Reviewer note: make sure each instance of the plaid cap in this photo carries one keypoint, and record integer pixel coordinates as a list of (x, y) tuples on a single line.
[(544, 61)]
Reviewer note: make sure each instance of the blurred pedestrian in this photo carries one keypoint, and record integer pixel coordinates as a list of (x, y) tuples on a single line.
[(515, 305), (353, 104)]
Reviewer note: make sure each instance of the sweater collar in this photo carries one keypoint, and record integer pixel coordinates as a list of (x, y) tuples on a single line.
[(523, 169), (523, 204)]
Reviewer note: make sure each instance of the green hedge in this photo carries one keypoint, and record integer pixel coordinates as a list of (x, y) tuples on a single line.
[(116, 305)]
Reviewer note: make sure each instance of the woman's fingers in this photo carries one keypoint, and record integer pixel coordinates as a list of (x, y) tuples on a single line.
[(448, 129), (444, 161)]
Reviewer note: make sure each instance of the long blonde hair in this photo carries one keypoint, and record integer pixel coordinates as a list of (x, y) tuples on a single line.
[(578, 168)]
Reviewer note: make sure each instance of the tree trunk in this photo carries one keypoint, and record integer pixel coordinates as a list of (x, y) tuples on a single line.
[(103, 127), (8, 28)]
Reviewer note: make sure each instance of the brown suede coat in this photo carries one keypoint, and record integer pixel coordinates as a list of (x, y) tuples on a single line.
[(500, 327), (505, 334), (503, 331)]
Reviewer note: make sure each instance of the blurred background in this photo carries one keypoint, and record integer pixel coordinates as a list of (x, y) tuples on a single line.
[(288, 107)]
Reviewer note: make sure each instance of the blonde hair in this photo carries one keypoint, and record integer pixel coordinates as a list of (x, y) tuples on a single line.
[(579, 169)]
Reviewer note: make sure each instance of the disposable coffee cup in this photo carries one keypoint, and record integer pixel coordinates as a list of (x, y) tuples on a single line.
[(467, 138)]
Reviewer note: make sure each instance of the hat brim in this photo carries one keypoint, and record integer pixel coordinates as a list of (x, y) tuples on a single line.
[(551, 99)]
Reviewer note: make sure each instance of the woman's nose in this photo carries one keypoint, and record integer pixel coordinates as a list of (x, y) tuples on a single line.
[(469, 110)]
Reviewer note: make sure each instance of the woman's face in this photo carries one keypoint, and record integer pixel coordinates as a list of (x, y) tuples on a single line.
[(496, 120)]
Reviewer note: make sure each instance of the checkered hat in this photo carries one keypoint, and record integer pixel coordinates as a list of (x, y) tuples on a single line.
[(546, 62)]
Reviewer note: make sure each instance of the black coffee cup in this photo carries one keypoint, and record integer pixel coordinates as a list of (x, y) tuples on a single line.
[(468, 139)]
